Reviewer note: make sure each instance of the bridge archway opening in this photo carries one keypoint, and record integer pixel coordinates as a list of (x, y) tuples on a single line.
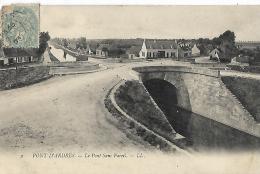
[(165, 95)]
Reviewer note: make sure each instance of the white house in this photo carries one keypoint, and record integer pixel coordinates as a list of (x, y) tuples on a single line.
[(158, 49), (102, 50), (215, 54), (195, 51), (89, 50)]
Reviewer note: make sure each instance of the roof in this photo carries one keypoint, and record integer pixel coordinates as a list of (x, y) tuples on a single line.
[(20, 52), (219, 52), (103, 46), (160, 44), (133, 50), (185, 48), (216, 49)]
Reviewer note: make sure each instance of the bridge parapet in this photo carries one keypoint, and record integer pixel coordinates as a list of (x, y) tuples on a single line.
[(183, 69)]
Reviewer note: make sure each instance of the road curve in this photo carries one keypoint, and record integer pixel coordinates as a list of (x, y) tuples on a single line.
[(62, 112)]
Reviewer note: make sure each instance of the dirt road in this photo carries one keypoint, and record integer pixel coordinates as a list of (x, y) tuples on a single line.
[(62, 112)]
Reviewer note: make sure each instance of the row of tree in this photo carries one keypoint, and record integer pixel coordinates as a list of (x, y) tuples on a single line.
[(80, 43), (224, 42)]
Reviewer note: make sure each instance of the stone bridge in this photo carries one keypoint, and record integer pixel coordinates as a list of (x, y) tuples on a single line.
[(200, 106)]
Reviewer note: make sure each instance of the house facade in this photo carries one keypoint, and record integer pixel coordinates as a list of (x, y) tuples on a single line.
[(18, 55), (215, 54), (188, 50), (102, 50), (184, 50), (133, 52), (158, 49), (195, 51)]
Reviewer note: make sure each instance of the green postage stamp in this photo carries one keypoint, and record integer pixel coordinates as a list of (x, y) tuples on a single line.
[(21, 25)]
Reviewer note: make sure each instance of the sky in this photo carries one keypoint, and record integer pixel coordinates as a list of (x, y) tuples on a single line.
[(99, 22)]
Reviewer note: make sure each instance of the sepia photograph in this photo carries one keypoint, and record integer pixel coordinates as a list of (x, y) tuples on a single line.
[(142, 89)]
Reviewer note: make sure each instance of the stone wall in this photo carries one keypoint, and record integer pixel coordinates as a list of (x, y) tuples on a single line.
[(253, 69), (11, 78), (203, 93), (247, 90)]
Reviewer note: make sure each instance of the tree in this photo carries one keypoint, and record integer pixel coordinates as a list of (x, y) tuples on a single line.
[(65, 43), (228, 46), (228, 36), (216, 41), (43, 41), (83, 43)]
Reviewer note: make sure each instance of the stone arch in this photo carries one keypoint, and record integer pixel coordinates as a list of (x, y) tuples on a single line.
[(166, 96)]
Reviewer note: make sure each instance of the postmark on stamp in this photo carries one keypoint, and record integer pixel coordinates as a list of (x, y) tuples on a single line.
[(20, 25)]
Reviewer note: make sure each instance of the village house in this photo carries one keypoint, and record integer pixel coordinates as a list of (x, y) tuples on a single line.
[(133, 52), (215, 54), (188, 50), (159, 49), (195, 51), (72, 44), (102, 50), (90, 49), (18, 55), (184, 50)]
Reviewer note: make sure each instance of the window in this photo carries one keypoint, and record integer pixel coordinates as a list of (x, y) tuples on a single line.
[(26, 59), (167, 54), (19, 59), (148, 54)]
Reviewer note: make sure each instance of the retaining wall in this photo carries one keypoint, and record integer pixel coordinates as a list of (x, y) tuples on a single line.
[(10, 78), (247, 90), (201, 91), (253, 69)]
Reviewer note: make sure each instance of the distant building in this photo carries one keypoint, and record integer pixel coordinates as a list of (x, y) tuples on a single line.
[(215, 54), (89, 51), (72, 44), (102, 50), (251, 45), (159, 49), (133, 52), (19, 55), (241, 60), (184, 51), (195, 51), (188, 49)]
